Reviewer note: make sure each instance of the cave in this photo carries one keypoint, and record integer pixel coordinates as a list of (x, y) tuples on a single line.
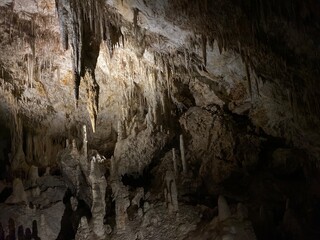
[(168, 119)]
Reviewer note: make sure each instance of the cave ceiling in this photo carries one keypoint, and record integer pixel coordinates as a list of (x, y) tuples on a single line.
[(68, 63)]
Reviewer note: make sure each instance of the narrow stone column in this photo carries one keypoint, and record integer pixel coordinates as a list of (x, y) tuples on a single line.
[(74, 148), (174, 160), (122, 202), (183, 158), (85, 140), (98, 184), (223, 209), (120, 131), (170, 192)]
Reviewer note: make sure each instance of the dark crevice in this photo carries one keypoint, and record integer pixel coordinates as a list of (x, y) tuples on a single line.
[(110, 215), (5, 149), (6, 192), (70, 219)]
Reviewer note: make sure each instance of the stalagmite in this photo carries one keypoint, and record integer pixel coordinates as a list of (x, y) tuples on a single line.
[(182, 152), (47, 173), (74, 148), (77, 179), (113, 171), (138, 196), (83, 231), (223, 208), (18, 194), (121, 195), (33, 175), (43, 227), (74, 203), (121, 131), (170, 192), (174, 161), (98, 185)]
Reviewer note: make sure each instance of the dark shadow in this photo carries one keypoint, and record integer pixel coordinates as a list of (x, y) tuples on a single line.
[(35, 230), (12, 230), (70, 219), (5, 147), (1, 232), (21, 233), (28, 234), (6, 192)]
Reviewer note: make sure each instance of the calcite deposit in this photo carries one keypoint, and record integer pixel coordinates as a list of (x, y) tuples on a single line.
[(170, 119)]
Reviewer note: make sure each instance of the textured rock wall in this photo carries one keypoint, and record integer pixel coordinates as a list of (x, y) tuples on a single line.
[(231, 86)]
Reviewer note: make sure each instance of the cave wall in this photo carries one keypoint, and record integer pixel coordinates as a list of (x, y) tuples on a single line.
[(241, 62), (237, 81)]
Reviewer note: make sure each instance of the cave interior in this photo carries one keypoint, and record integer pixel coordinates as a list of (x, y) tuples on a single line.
[(170, 119)]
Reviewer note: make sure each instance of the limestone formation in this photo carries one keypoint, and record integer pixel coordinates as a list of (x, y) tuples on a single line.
[(122, 202), (83, 231), (43, 227), (174, 161), (170, 192), (138, 197), (47, 173), (18, 194), (33, 175), (98, 185), (183, 155), (85, 141), (187, 101), (74, 203), (231, 226)]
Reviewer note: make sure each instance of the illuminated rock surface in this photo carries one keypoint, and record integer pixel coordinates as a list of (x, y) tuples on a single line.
[(173, 119)]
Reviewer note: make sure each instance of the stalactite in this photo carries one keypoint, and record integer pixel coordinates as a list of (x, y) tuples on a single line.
[(205, 5), (30, 70), (121, 131), (204, 49), (18, 157), (174, 161), (166, 69), (182, 153), (290, 100), (186, 61), (220, 46), (86, 19), (135, 20), (114, 34), (248, 79), (29, 148), (85, 140), (92, 98)]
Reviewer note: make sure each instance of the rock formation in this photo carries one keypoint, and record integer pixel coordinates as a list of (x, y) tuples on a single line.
[(131, 119), (18, 193)]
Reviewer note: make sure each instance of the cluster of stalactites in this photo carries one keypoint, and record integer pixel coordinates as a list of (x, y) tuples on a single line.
[(84, 25)]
